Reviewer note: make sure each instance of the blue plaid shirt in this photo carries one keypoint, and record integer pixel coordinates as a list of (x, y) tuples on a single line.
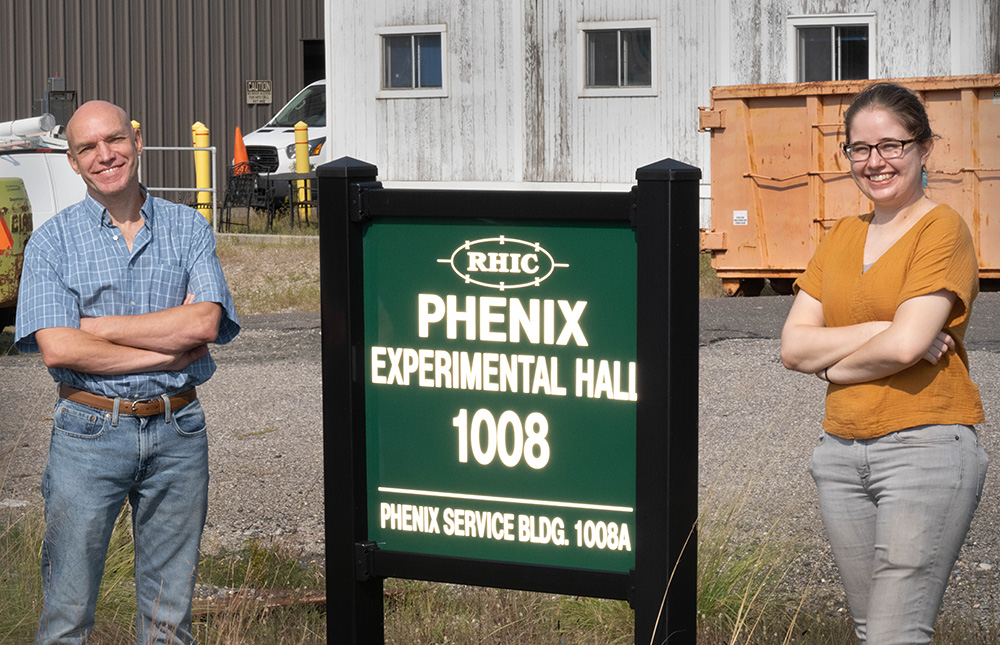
[(78, 265)]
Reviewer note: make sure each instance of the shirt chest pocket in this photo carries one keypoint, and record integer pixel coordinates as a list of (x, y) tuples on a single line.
[(167, 287)]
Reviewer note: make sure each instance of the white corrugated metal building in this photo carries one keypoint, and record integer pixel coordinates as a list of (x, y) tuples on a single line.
[(579, 93)]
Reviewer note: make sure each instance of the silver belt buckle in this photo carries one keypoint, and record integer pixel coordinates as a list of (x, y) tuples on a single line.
[(135, 403)]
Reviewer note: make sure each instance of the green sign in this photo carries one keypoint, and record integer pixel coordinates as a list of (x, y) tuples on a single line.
[(501, 391)]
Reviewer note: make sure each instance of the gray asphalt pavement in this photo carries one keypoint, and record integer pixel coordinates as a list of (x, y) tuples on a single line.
[(729, 318), (758, 424)]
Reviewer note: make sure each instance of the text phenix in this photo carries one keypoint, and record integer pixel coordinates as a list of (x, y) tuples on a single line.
[(502, 320)]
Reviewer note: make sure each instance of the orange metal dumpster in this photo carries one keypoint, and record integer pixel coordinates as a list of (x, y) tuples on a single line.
[(780, 180)]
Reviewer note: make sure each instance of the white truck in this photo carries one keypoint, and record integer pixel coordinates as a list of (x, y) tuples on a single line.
[(34, 151), (37, 182), (271, 148)]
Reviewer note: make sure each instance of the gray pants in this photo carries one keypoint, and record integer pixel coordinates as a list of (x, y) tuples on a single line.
[(896, 510)]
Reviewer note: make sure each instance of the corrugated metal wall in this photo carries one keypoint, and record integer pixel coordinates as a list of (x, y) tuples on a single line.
[(169, 63)]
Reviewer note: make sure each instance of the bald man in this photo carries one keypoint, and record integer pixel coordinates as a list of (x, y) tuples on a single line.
[(121, 293)]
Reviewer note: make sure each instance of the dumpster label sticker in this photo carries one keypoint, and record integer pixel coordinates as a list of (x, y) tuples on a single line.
[(996, 97), (740, 218)]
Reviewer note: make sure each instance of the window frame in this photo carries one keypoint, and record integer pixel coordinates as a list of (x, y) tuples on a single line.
[(411, 92), (618, 25), (830, 20)]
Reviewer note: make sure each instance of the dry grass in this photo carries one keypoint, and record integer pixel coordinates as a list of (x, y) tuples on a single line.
[(424, 612), (709, 284), (254, 221), (276, 275), (246, 622)]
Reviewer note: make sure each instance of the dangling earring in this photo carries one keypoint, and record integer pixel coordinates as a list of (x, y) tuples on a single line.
[(923, 179)]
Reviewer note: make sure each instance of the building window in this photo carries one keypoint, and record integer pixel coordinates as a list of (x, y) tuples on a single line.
[(618, 58), (831, 48), (413, 61)]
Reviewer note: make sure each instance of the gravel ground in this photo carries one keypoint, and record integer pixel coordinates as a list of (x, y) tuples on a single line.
[(758, 424), (265, 434)]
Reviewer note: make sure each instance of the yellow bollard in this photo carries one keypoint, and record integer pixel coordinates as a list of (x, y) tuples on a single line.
[(138, 133), (202, 169), (194, 129), (302, 163)]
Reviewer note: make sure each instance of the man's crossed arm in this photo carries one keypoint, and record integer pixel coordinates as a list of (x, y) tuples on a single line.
[(166, 340)]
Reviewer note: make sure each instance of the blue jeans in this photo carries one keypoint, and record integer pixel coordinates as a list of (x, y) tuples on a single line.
[(96, 461), (897, 510)]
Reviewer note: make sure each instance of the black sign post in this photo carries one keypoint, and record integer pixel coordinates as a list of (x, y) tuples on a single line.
[(510, 392), (667, 415)]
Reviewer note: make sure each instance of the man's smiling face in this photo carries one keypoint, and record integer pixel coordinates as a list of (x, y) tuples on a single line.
[(104, 149)]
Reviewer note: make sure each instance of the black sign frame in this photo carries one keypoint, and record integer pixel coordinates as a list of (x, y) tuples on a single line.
[(662, 208)]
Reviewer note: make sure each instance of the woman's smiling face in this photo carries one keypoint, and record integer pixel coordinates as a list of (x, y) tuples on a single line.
[(891, 184)]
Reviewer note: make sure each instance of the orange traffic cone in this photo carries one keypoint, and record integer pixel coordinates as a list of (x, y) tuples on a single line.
[(241, 163)]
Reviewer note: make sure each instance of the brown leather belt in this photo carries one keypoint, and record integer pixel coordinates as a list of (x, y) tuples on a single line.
[(146, 408)]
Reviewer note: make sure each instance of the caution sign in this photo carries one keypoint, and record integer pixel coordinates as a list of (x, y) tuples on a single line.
[(259, 92)]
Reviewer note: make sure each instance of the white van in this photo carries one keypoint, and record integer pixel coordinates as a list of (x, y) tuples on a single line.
[(272, 147), (51, 183), (33, 168)]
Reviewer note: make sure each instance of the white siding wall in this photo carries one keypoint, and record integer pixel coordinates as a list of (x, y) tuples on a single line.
[(976, 41), (472, 134), (513, 112), (612, 136), (913, 38)]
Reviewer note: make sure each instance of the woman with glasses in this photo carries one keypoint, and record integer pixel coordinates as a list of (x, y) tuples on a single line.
[(880, 314)]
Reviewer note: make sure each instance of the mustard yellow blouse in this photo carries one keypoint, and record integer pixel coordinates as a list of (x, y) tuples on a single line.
[(936, 253)]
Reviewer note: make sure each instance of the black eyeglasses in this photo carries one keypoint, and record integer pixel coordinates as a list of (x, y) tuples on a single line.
[(888, 149)]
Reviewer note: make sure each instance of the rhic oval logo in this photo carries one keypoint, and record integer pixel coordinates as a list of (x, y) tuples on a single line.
[(502, 263)]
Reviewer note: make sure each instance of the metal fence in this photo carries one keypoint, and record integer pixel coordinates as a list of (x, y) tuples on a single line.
[(212, 189)]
